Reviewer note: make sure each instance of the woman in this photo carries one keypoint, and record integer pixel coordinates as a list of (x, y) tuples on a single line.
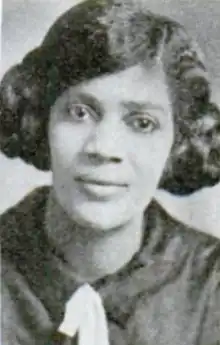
[(116, 102)]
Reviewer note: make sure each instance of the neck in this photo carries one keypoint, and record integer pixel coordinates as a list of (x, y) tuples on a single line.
[(92, 254)]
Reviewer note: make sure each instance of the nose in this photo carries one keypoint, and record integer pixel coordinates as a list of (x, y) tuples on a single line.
[(103, 143)]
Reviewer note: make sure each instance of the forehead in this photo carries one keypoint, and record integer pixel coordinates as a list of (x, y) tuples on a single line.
[(136, 84)]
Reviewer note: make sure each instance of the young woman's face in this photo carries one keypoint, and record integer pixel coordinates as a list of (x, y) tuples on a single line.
[(109, 140)]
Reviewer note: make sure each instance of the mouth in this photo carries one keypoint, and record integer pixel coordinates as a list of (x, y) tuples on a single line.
[(100, 188), (100, 182)]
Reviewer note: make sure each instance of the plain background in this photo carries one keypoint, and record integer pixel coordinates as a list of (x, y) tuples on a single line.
[(25, 22)]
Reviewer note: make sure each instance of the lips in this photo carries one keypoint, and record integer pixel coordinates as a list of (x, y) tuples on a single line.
[(100, 182), (100, 188)]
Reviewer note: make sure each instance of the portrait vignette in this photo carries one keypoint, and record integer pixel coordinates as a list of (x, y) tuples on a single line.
[(110, 215)]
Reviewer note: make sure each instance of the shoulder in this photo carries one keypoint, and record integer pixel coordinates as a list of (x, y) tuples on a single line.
[(30, 203), (192, 262), (159, 218), (22, 255), (176, 241), (21, 218), (23, 240)]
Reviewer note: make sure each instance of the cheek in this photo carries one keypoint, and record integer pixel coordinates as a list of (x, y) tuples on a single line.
[(66, 142), (149, 158), (149, 169)]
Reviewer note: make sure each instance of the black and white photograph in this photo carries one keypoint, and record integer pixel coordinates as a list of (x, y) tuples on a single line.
[(110, 172)]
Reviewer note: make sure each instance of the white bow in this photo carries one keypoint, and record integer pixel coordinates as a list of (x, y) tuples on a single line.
[(85, 313)]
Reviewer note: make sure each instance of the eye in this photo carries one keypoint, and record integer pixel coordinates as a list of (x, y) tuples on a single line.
[(143, 123), (81, 112)]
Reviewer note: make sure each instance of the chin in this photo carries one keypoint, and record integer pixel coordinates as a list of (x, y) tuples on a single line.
[(101, 218)]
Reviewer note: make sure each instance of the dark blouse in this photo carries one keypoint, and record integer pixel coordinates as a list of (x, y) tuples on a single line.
[(168, 294)]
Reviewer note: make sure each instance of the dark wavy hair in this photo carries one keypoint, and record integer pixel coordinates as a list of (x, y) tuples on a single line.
[(95, 38)]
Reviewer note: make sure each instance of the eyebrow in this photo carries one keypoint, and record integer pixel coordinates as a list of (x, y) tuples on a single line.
[(128, 105), (140, 106), (88, 100)]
